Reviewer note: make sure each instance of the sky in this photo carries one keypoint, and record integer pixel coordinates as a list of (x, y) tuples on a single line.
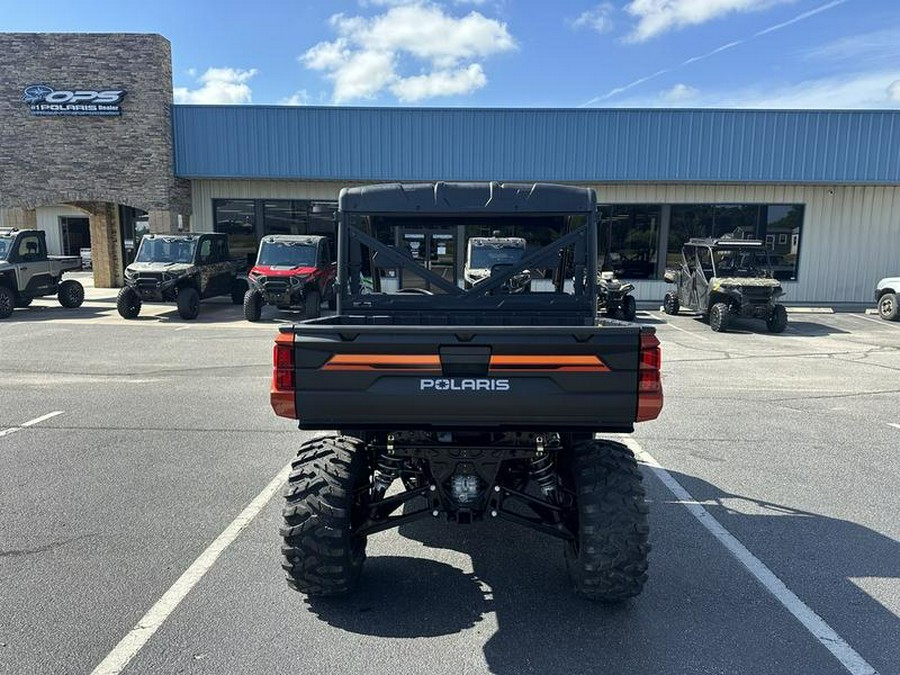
[(509, 53)]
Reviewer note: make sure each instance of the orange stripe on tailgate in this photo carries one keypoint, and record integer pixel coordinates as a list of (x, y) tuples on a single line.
[(587, 363), (404, 362)]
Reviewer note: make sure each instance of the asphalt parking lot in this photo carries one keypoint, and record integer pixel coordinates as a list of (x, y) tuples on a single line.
[(128, 448)]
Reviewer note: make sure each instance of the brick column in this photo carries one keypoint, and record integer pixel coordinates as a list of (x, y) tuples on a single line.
[(106, 246), (163, 222), (23, 219)]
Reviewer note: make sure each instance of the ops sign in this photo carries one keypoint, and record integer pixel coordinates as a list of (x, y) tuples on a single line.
[(45, 101)]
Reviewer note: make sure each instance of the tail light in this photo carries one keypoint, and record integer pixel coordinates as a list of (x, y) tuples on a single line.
[(650, 395), (283, 395)]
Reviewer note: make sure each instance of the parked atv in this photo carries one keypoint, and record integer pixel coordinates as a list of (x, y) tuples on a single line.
[(181, 268), (613, 297), (886, 296), (490, 256), (724, 279), (27, 272), (291, 272)]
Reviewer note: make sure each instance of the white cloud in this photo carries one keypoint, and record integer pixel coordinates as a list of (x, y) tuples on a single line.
[(679, 93), (599, 18), (876, 47), (894, 91), (368, 53), (219, 86), (299, 97), (656, 17), (862, 90), (440, 83)]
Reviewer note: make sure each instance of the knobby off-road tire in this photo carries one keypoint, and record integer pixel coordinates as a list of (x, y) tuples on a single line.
[(888, 308), (128, 303), (778, 320), (312, 305), (718, 317), (629, 308), (253, 303), (608, 560), (70, 294), (238, 291), (321, 555), (7, 302), (188, 301), (670, 304)]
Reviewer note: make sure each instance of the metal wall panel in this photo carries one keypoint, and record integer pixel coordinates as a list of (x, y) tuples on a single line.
[(584, 145)]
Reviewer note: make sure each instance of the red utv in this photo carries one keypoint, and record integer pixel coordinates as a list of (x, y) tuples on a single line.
[(291, 272)]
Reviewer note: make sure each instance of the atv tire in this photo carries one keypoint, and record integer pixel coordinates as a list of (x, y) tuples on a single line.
[(238, 291), (322, 555), (778, 320), (188, 301), (670, 304), (629, 308), (253, 302), (7, 302), (128, 303), (332, 300), (608, 559), (70, 294), (888, 308), (718, 317), (312, 305)]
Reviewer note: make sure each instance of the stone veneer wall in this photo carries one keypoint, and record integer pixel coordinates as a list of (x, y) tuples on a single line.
[(125, 160)]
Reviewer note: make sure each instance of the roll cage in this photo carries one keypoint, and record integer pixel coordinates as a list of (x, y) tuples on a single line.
[(571, 256)]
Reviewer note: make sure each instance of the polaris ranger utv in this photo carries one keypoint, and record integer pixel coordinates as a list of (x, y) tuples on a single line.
[(724, 279), (181, 268), (27, 272), (460, 404), (291, 272)]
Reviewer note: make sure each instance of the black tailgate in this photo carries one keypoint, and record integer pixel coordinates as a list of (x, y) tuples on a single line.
[(453, 377)]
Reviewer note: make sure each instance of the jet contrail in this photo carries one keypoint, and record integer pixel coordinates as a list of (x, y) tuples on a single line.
[(717, 50)]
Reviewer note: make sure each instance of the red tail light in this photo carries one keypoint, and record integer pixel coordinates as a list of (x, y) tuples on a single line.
[(650, 395), (283, 396)]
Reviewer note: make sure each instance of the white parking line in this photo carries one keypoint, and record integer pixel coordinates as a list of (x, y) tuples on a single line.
[(893, 424), (30, 423), (135, 640), (880, 322), (825, 634), (672, 325)]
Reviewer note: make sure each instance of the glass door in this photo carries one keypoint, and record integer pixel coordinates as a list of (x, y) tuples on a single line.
[(435, 250)]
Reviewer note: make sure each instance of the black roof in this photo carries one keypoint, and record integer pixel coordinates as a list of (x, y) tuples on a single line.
[(462, 198), (184, 235)]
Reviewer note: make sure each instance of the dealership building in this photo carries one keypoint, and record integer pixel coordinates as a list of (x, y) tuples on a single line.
[(93, 151)]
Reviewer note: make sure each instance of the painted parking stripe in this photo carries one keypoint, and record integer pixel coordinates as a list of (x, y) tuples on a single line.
[(893, 424), (816, 625), (880, 322), (138, 636), (30, 423)]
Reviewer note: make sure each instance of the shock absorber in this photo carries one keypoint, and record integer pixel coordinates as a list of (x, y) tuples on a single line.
[(541, 469), (387, 468)]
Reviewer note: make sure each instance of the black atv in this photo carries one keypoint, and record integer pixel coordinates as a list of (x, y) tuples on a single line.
[(724, 279), (613, 297)]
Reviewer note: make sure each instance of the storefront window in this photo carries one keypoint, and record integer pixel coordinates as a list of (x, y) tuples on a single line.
[(778, 225), (285, 216), (629, 235), (237, 218)]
